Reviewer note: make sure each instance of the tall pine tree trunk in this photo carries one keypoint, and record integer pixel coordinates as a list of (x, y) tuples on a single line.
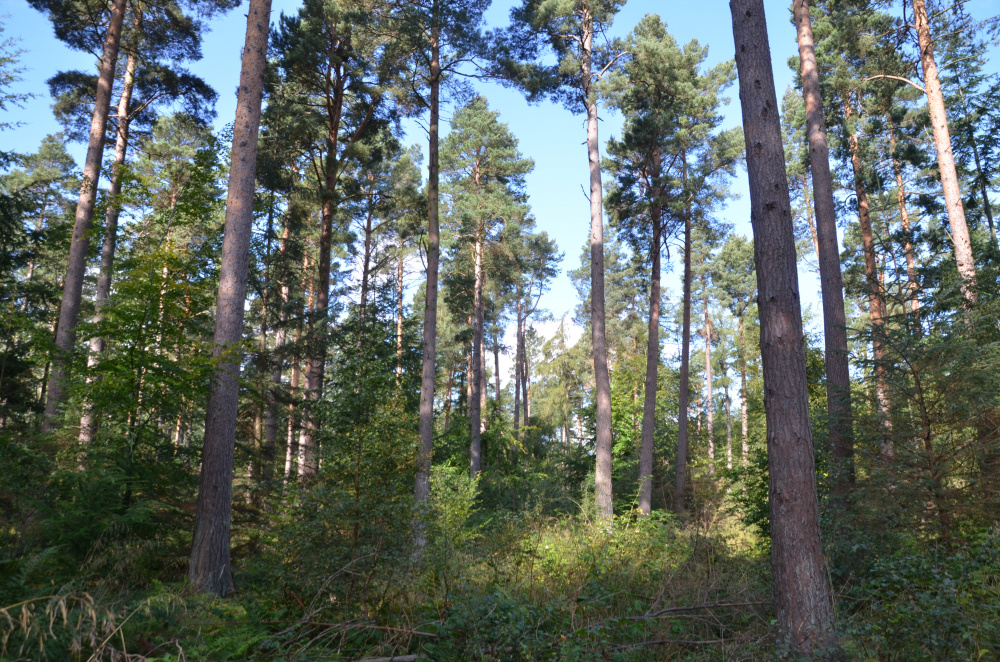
[(744, 404), (709, 398), (210, 570), (838, 379), (652, 365), (476, 380), (876, 297), (946, 160), (904, 220), (682, 400), (88, 424), (422, 484), (801, 597), (602, 377), (76, 266), (399, 316)]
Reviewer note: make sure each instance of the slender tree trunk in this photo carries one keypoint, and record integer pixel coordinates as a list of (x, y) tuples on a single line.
[(517, 366), (946, 160), (399, 316), (602, 377), (210, 570), (291, 439), (876, 298), (483, 386), (682, 402), (801, 597), (88, 422), (729, 425), (744, 404), (652, 365), (422, 484), (476, 379), (904, 220), (809, 218), (448, 397), (317, 343), (277, 362), (838, 379), (709, 398), (76, 266)]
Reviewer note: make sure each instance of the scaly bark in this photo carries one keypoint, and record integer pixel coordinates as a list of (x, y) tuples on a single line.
[(602, 377), (88, 422), (682, 401), (76, 266), (476, 379), (876, 297), (801, 597), (652, 361), (946, 159), (210, 569), (838, 379), (422, 484)]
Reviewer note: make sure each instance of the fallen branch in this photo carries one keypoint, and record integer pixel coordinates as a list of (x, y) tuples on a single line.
[(395, 658), (696, 607), (678, 642)]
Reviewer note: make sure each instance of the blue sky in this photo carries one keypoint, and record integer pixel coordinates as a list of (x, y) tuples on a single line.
[(548, 133)]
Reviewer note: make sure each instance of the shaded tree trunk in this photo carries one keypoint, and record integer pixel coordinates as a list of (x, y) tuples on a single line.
[(210, 570), (682, 401), (652, 365), (838, 379), (946, 160), (76, 266), (801, 597), (876, 298)]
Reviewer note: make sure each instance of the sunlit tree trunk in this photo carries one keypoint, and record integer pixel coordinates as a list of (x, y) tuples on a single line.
[(946, 159), (904, 220), (709, 398), (838, 379), (801, 598), (210, 570), (88, 422), (476, 378), (76, 266), (744, 404), (602, 377)]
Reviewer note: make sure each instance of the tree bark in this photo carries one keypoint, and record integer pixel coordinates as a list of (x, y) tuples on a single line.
[(904, 220), (422, 484), (476, 380), (399, 316), (709, 398), (876, 298), (210, 570), (838, 379), (602, 377), (946, 160), (652, 365), (88, 424), (801, 598), (744, 404), (682, 400), (76, 266)]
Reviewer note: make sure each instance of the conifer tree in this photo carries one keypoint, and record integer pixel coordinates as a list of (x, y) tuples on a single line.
[(801, 598)]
